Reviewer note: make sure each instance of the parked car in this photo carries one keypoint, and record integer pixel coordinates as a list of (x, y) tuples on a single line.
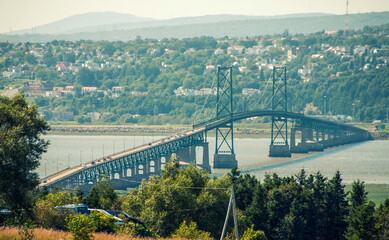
[(117, 221), (125, 216), (77, 208)]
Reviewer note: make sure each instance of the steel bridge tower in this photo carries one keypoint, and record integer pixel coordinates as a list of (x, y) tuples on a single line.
[(279, 146), (224, 150)]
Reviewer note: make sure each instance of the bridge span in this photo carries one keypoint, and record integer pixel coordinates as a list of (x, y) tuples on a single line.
[(129, 167)]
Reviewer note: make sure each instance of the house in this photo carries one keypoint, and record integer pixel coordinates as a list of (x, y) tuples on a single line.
[(117, 89), (219, 51), (88, 89), (235, 50), (249, 91)]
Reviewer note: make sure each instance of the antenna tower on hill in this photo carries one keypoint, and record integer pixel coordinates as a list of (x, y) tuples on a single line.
[(346, 20)]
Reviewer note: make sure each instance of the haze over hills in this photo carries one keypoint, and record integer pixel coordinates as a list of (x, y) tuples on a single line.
[(83, 21), (109, 21), (124, 27)]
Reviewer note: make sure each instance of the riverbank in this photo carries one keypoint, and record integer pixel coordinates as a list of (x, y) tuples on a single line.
[(263, 131), (143, 130)]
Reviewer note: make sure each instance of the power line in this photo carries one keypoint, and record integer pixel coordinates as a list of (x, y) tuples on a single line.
[(175, 186)]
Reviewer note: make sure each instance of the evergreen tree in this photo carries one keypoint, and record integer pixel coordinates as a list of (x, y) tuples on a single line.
[(361, 219), (336, 208)]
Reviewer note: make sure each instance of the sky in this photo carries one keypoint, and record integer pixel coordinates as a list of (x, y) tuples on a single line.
[(26, 14)]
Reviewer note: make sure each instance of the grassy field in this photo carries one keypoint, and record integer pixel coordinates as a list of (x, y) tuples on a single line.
[(376, 192), (11, 233)]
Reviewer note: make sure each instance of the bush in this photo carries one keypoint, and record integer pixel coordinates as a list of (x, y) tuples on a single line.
[(136, 230), (49, 217), (190, 232), (81, 226), (251, 234), (102, 222)]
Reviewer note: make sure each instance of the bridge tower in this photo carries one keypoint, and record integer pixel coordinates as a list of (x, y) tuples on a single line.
[(279, 146), (224, 151)]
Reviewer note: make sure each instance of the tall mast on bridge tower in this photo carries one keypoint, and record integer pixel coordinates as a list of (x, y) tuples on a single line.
[(279, 146), (224, 150)]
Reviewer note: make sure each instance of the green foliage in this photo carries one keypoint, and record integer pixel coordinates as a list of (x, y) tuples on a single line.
[(382, 215), (136, 230), (190, 231), (102, 222), (251, 234), (20, 151), (102, 195), (47, 216), (163, 203), (81, 227), (54, 199)]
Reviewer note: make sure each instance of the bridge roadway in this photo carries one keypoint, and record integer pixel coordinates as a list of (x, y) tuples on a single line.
[(198, 128), (77, 169)]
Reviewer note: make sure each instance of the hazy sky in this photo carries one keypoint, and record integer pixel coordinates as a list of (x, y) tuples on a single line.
[(22, 14)]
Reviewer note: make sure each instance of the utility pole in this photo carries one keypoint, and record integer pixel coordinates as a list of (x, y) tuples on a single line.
[(233, 205)]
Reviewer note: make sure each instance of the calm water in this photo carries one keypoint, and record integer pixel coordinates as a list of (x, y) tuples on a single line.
[(368, 161)]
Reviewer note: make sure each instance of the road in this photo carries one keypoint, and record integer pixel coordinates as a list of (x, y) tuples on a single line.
[(69, 171)]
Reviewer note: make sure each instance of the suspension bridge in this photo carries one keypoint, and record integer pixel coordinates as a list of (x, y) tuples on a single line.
[(128, 168)]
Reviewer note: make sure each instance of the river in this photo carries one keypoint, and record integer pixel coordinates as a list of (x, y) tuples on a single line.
[(367, 161)]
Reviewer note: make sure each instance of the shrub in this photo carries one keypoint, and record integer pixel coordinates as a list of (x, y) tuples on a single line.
[(81, 226), (49, 217), (136, 230), (251, 234), (102, 222), (190, 232)]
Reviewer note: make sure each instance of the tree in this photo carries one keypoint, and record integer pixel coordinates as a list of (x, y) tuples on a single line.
[(20, 151), (361, 219), (102, 195), (336, 208)]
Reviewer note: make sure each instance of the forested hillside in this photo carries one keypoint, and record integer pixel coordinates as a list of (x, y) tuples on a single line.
[(332, 73)]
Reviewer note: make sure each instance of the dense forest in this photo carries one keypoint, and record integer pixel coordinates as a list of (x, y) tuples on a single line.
[(336, 73), (188, 203)]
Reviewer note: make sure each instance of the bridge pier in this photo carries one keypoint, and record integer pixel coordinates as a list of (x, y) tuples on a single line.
[(309, 141), (205, 165), (279, 151), (187, 155), (224, 161)]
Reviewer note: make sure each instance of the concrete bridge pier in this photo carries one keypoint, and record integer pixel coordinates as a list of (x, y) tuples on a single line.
[(224, 161), (312, 142), (187, 155), (301, 147), (205, 165)]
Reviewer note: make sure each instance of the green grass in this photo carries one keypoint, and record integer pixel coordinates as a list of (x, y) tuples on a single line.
[(376, 192)]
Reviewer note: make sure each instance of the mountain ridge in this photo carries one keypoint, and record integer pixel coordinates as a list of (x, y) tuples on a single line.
[(108, 21), (234, 28)]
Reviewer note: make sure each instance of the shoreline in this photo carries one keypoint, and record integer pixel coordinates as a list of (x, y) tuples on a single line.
[(140, 130), (163, 130)]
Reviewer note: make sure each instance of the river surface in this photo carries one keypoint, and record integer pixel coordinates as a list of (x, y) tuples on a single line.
[(367, 161)]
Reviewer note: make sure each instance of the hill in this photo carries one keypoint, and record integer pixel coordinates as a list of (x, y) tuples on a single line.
[(87, 20), (215, 26)]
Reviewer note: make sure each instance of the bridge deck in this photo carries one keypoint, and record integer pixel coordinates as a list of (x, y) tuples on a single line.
[(69, 171), (202, 127)]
